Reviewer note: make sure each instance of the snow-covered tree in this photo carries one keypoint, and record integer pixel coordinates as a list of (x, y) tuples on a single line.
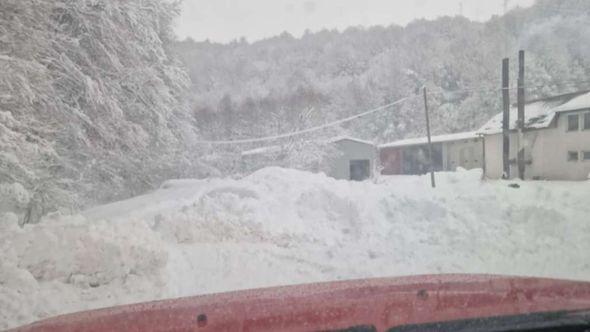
[(343, 73), (92, 104)]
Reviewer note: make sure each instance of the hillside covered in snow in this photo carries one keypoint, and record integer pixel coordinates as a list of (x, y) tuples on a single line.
[(92, 106), (267, 87), (280, 226)]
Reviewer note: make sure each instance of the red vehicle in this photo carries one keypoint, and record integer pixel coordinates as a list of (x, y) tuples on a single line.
[(423, 303)]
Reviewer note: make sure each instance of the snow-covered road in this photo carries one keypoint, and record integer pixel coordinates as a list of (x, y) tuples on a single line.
[(282, 226)]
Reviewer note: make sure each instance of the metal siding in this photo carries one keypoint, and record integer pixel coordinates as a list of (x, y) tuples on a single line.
[(352, 150), (474, 158)]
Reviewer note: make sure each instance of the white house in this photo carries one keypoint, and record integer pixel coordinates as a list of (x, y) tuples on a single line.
[(556, 139)]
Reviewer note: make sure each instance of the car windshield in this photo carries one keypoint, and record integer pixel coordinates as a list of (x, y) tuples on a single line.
[(159, 149)]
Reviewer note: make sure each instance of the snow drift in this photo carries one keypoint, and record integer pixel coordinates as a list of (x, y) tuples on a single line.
[(281, 226)]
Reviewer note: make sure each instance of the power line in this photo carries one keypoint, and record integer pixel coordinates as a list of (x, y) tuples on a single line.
[(380, 108), (308, 130), (558, 84), (440, 91)]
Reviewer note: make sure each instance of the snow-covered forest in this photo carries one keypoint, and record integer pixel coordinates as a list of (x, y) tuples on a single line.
[(92, 106), (99, 101), (245, 90)]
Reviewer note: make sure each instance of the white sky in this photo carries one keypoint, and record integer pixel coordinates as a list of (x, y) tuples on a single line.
[(225, 20)]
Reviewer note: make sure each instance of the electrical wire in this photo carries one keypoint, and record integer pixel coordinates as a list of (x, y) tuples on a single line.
[(440, 91), (308, 130), (380, 108)]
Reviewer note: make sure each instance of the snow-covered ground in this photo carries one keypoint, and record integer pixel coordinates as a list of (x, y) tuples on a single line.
[(282, 226)]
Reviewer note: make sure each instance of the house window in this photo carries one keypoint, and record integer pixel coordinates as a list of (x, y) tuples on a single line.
[(587, 121), (586, 155), (573, 122), (572, 156)]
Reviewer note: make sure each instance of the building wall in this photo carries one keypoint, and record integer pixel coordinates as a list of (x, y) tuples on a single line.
[(416, 161), (351, 150), (391, 161), (467, 154), (547, 149), (494, 163), (551, 149)]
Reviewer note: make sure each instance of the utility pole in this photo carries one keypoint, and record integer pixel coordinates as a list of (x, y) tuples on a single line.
[(430, 163), (506, 34), (520, 101), (483, 164), (506, 118)]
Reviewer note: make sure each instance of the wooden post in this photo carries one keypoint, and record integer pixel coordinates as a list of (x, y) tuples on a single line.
[(430, 162), (506, 118), (521, 119), (483, 145)]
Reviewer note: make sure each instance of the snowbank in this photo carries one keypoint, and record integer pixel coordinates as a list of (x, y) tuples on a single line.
[(282, 226)]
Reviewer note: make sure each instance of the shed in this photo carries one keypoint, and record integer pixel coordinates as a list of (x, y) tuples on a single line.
[(355, 161), (410, 156), (349, 158)]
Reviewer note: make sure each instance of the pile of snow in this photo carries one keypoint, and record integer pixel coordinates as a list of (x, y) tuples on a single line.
[(282, 226)]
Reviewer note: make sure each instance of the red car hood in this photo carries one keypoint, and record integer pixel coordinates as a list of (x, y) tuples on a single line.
[(371, 305)]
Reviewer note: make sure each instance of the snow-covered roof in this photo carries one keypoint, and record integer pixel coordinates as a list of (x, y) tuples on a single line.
[(539, 113), (577, 103), (348, 138), (434, 139)]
